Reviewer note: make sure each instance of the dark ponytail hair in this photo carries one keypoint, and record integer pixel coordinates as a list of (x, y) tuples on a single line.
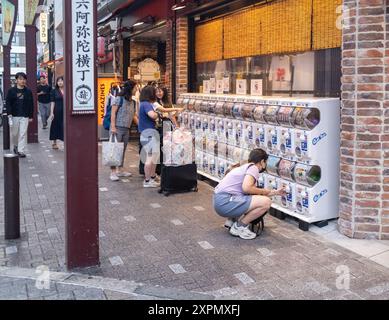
[(128, 88), (256, 156)]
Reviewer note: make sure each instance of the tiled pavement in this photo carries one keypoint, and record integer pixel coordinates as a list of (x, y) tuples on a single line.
[(179, 243)]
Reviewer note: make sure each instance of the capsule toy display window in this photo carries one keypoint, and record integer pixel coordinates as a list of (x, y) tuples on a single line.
[(301, 145), (261, 181), (287, 142), (272, 165), (192, 122), (302, 200), (211, 107), (228, 109), (205, 124), (212, 165), (248, 111), (230, 131), (259, 136), (284, 116), (191, 105), (221, 168), (197, 106), (289, 199), (231, 153), (259, 113), (222, 150), (204, 107), (219, 108), (237, 111), (212, 127), (271, 113), (271, 139), (272, 183), (286, 169), (305, 118), (306, 174), (205, 163), (220, 129), (199, 159)]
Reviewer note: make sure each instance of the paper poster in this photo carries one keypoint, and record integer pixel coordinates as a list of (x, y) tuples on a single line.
[(30, 8), (206, 86), (213, 84), (219, 87), (226, 85), (8, 12), (241, 86), (257, 87)]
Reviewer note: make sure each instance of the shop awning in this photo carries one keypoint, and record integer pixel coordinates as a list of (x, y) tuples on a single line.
[(113, 9)]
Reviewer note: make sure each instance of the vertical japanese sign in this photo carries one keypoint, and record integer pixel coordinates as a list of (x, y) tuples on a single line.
[(8, 12), (30, 7), (83, 56), (43, 30)]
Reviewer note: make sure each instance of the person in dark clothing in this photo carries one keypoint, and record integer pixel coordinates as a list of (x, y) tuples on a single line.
[(57, 113), (20, 106), (44, 99)]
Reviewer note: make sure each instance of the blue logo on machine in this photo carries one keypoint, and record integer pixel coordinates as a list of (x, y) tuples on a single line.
[(317, 197), (316, 140)]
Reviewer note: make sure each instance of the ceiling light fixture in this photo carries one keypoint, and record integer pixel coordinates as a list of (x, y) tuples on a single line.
[(179, 6)]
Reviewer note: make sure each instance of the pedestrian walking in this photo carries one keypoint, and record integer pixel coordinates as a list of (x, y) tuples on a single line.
[(44, 99), (20, 108), (122, 115), (57, 113)]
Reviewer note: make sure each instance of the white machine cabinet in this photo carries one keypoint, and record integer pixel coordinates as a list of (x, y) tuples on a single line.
[(301, 135)]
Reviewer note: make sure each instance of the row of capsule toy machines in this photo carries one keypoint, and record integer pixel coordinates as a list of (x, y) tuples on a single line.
[(302, 137)]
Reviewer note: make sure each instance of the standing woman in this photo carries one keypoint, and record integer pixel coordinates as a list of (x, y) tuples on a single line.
[(57, 113), (164, 105)]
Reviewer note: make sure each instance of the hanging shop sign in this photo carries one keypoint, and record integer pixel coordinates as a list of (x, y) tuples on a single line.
[(241, 86), (8, 10), (83, 56), (257, 87), (43, 29), (149, 70), (103, 87), (30, 8)]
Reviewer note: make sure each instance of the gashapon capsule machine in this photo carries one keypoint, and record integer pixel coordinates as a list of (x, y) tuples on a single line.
[(286, 173), (286, 134), (211, 117), (259, 124), (229, 120), (219, 119), (248, 124), (308, 136), (272, 180), (271, 130), (237, 113)]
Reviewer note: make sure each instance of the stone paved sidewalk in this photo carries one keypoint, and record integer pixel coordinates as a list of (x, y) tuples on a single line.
[(179, 242)]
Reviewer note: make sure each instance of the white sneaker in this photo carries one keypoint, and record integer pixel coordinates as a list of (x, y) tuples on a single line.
[(150, 184), (242, 232), (228, 224), (124, 174), (114, 177)]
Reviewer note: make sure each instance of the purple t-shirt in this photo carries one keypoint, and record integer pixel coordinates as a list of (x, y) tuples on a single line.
[(232, 182)]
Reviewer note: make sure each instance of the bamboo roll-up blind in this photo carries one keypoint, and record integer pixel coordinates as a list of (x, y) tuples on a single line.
[(209, 41)]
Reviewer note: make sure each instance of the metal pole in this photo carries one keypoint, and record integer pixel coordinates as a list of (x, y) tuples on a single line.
[(31, 66), (11, 197)]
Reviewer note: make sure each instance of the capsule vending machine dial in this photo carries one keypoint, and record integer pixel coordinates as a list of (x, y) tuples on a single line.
[(271, 132), (305, 119), (258, 126), (286, 172), (272, 180), (286, 133)]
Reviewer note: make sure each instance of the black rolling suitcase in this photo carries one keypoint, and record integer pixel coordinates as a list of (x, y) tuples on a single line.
[(177, 179)]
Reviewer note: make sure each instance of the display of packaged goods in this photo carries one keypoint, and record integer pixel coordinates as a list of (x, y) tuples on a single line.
[(305, 118), (197, 106), (237, 111), (211, 107), (219, 108), (248, 135), (270, 115), (228, 109), (238, 130), (284, 116), (222, 150), (221, 168), (205, 124), (307, 175), (191, 105), (212, 127), (259, 113), (212, 147), (220, 129), (286, 169), (230, 133), (230, 152), (248, 111), (192, 121), (272, 165), (259, 135), (211, 165)]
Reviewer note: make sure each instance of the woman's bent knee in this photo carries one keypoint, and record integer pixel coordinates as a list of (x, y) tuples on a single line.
[(262, 202)]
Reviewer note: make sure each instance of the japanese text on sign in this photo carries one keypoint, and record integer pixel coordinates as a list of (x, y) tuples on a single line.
[(83, 55)]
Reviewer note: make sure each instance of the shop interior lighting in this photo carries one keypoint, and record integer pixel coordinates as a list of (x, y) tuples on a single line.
[(146, 20), (179, 6)]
